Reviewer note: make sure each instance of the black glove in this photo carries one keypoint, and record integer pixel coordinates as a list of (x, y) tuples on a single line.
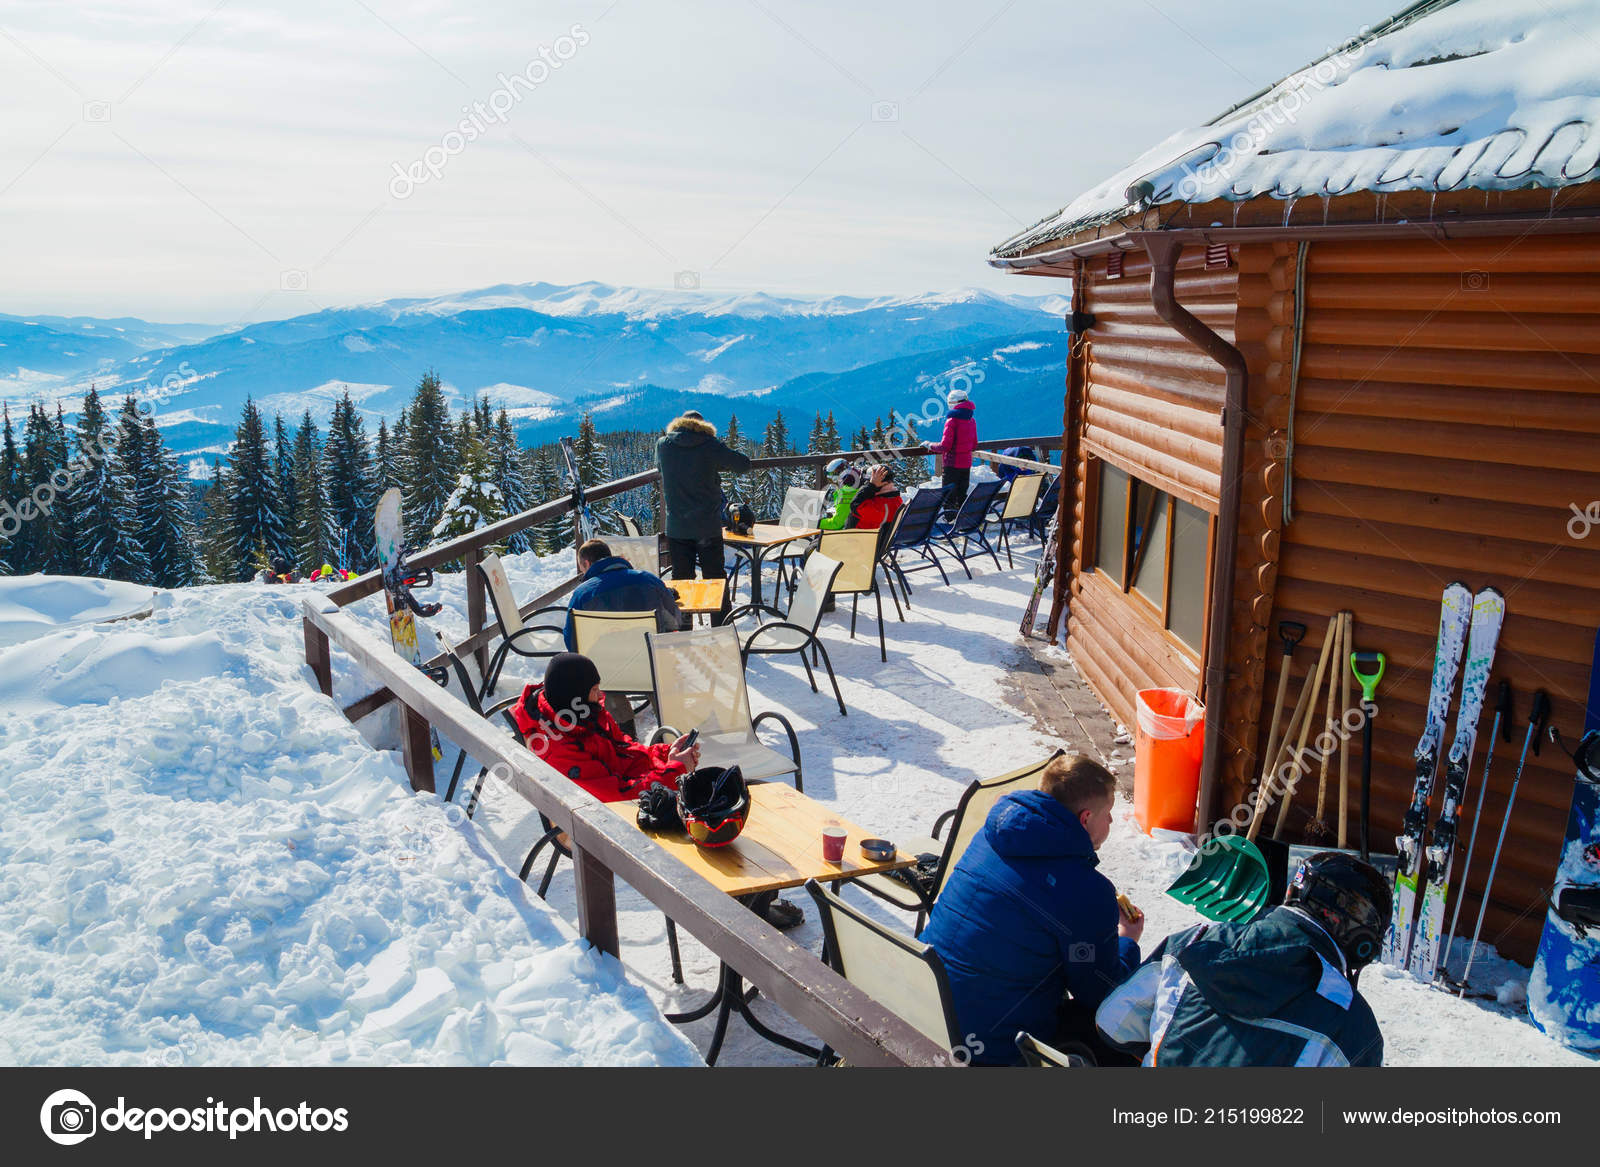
[(658, 809)]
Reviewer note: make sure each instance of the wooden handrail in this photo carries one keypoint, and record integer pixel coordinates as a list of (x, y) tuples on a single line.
[(859, 1028)]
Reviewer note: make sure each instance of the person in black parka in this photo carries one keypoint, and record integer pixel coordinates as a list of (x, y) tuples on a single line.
[(690, 458)]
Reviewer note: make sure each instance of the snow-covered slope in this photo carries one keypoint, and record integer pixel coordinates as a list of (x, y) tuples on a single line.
[(202, 862), (32, 605)]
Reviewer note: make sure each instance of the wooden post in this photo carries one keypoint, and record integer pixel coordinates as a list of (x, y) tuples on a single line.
[(317, 656), (475, 612), (597, 901), (416, 748)]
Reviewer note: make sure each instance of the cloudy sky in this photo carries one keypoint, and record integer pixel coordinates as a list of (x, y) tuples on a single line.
[(245, 160)]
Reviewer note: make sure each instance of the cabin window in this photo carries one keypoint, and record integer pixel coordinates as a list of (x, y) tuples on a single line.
[(1156, 547)]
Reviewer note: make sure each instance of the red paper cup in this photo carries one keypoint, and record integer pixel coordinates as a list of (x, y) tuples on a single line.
[(833, 844)]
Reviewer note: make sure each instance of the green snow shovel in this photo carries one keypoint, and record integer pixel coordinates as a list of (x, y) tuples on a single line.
[(1228, 879)]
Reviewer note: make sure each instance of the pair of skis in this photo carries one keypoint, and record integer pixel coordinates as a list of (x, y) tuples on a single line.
[(1422, 883)]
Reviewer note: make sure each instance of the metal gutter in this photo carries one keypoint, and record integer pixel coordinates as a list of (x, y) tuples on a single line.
[(1163, 249)]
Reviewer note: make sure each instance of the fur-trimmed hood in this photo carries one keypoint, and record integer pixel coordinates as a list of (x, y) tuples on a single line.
[(692, 425)]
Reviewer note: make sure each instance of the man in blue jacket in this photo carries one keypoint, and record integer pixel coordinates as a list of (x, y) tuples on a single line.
[(1025, 918), (611, 584)]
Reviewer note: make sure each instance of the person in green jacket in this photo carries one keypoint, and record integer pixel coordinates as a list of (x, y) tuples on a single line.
[(845, 480), (1278, 991)]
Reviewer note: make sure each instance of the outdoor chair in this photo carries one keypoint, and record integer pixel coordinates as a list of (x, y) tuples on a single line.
[(964, 821), (968, 524), (1017, 506), (801, 511), (857, 554), (915, 533), (904, 975), (630, 527), (1046, 510), (1037, 1054), (615, 642), (643, 552), (456, 678), (797, 631), (535, 641), (698, 681)]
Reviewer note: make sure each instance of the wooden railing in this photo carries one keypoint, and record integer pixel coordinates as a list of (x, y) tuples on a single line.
[(605, 847)]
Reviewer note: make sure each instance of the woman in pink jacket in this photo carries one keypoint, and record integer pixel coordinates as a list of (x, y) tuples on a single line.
[(956, 446)]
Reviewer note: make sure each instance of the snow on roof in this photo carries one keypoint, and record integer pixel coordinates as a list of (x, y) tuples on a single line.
[(1447, 95)]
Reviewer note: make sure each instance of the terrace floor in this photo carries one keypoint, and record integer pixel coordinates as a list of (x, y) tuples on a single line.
[(961, 697)]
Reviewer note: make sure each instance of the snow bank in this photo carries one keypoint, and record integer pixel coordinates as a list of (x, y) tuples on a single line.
[(204, 863), (32, 605)]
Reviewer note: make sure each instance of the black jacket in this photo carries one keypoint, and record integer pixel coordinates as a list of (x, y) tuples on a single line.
[(690, 457)]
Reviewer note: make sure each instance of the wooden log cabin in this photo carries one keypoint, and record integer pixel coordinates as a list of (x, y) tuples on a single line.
[(1335, 350)]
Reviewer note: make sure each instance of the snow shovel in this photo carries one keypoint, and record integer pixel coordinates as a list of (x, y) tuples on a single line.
[(1232, 878)]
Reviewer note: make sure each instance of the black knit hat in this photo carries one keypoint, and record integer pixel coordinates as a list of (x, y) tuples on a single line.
[(567, 682)]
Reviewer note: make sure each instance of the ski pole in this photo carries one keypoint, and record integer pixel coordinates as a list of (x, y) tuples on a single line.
[(1369, 706), (1536, 719), (1502, 710)]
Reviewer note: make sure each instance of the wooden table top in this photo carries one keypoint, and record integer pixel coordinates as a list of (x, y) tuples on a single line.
[(699, 596), (780, 846), (766, 535)]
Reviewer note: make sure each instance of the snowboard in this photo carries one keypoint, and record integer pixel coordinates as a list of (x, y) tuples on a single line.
[(388, 527), (1564, 992)]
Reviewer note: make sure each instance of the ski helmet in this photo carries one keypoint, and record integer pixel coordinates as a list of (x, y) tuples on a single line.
[(1348, 898), (845, 473), (713, 803)]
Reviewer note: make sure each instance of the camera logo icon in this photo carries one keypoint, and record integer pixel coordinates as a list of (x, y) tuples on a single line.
[(1474, 281), (68, 1117), (292, 280), (97, 111), (686, 281), (885, 111), (1081, 953)]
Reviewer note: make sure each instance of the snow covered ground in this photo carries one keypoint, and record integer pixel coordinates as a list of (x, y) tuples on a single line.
[(202, 862)]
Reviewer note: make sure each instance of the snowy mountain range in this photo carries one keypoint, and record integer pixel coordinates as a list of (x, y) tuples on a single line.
[(547, 353)]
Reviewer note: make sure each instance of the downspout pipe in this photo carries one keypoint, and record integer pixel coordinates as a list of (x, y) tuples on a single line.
[(1163, 252)]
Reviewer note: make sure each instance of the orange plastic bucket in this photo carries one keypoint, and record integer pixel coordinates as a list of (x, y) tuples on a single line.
[(1168, 744)]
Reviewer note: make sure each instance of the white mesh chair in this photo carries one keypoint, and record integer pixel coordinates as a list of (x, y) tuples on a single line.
[(797, 631), (857, 553), (903, 975), (538, 641), (1017, 507), (965, 820), (801, 511), (642, 552), (630, 526), (615, 642), (697, 678)]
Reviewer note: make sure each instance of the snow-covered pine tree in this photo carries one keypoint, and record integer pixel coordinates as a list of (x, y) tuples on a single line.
[(506, 467), (348, 475), (68, 557), (165, 524), (737, 487), (103, 498), (912, 470), (382, 460), (283, 478), (475, 503), (253, 504), (830, 434), (34, 543), (815, 443), (216, 528), (594, 468), (313, 538), (135, 461), (428, 475), (10, 486), (554, 534)]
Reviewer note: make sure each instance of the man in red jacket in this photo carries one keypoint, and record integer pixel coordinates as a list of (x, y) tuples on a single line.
[(564, 721), (959, 441)]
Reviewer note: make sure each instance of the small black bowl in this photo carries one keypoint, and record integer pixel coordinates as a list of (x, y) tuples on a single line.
[(877, 850)]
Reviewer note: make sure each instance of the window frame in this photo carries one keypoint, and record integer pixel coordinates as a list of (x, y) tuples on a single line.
[(1160, 615)]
